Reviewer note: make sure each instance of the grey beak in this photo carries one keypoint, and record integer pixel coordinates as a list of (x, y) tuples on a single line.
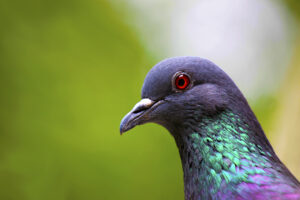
[(138, 115)]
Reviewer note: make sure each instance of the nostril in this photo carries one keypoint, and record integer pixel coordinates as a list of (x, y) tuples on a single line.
[(140, 108), (144, 104)]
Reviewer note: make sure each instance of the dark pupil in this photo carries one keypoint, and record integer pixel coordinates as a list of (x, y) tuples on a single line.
[(181, 82)]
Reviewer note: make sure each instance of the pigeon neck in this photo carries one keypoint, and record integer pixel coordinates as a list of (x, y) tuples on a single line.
[(218, 153)]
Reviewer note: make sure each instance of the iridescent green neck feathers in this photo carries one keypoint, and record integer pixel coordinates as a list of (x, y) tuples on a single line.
[(219, 157)]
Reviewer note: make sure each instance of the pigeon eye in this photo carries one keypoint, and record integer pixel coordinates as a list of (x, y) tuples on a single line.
[(182, 81)]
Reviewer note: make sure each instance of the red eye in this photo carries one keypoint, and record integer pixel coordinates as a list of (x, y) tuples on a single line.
[(182, 81)]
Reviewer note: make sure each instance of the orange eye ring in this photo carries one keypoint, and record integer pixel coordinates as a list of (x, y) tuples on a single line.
[(182, 81)]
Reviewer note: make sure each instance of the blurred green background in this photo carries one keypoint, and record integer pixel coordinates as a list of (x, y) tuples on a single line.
[(70, 70)]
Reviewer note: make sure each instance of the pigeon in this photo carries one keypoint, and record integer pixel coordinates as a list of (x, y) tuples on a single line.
[(223, 149)]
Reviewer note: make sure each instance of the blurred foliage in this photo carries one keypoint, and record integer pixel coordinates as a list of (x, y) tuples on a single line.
[(264, 108), (294, 6), (69, 72), (286, 119)]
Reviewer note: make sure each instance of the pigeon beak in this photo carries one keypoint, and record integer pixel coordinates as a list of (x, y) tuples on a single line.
[(138, 115)]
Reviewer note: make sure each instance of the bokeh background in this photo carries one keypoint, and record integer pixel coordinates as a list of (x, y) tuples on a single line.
[(70, 70)]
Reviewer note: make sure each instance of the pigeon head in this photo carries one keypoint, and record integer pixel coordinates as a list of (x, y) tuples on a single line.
[(224, 151), (182, 90)]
